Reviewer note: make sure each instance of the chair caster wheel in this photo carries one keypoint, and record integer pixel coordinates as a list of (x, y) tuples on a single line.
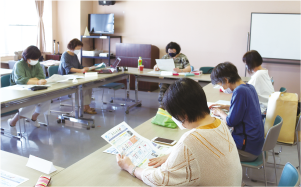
[(139, 105), (127, 112), (51, 101), (111, 101), (253, 180), (58, 121), (88, 128), (93, 126)]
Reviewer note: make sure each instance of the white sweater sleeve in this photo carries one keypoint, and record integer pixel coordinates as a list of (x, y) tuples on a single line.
[(180, 169)]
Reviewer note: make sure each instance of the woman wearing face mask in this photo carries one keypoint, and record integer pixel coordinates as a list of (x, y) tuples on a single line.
[(181, 65), (260, 77), (29, 71), (244, 111), (70, 64), (204, 156)]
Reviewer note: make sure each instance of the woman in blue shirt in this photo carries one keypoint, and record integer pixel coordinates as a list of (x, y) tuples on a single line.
[(244, 111)]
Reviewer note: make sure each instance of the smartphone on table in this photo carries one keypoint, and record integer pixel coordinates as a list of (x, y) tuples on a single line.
[(164, 141)]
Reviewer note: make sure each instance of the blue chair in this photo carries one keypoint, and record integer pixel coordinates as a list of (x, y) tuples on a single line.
[(269, 144), (290, 176), (51, 71), (282, 89), (192, 68), (206, 70)]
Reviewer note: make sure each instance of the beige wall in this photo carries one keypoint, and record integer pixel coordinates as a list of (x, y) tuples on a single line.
[(67, 22), (208, 32)]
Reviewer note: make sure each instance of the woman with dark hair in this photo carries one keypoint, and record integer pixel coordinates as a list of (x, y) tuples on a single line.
[(244, 111), (260, 78), (70, 64), (181, 64), (29, 71), (204, 156)]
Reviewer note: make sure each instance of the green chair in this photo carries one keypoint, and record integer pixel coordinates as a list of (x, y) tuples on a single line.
[(290, 176), (5, 81), (51, 71), (282, 89), (114, 86), (206, 70), (269, 144)]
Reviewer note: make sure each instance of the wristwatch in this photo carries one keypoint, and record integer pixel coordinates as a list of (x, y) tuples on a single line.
[(133, 171)]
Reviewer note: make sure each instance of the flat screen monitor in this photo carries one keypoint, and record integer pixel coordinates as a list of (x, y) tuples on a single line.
[(101, 23), (276, 35)]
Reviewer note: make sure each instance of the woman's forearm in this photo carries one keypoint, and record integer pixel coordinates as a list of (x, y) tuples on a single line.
[(74, 70), (33, 81), (187, 69)]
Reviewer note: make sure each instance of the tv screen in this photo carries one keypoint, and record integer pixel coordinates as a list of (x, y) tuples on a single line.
[(101, 23)]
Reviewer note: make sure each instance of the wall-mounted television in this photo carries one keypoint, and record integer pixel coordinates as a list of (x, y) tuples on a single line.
[(101, 23)]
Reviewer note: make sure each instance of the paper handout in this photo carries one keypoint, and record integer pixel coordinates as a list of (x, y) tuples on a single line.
[(40, 164), (128, 142), (10, 179), (56, 78), (165, 64)]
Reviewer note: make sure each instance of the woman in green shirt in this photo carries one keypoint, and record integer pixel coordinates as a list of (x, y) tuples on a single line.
[(29, 71)]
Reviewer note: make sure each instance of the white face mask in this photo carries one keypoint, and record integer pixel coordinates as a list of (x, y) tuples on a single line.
[(179, 123), (228, 91), (76, 51), (33, 62)]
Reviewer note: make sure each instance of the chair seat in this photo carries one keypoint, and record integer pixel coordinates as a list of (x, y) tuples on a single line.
[(254, 164), (114, 85), (9, 113)]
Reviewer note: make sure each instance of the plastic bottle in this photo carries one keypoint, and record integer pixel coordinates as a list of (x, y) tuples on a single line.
[(139, 62)]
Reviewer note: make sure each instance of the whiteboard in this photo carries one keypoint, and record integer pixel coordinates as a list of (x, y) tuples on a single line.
[(276, 35)]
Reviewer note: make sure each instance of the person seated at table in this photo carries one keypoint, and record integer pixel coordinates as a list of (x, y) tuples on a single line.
[(244, 111), (28, 71), (206, 155), (181, 65), (70, 64), (260, 78)]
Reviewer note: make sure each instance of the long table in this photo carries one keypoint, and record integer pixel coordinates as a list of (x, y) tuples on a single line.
[(15, 99), (101, 169), (17, 165), (5, 71)]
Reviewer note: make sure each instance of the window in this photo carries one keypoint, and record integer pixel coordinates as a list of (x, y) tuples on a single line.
[(19, 19)]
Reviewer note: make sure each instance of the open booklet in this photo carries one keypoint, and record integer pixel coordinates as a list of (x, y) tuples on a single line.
[(128, 142)]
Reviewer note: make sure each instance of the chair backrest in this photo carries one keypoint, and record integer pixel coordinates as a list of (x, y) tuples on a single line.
[(272, 136), (52, 70), (290, 176), (192, 68), (278, 119), (206, 70), (5, 80), (282, 89), (11, 64)]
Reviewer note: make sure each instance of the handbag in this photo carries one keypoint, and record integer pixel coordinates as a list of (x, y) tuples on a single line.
[(163, 118), (285, 105)]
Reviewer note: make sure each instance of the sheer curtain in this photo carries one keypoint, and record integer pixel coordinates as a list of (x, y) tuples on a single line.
[(41, 43), (19, 22)]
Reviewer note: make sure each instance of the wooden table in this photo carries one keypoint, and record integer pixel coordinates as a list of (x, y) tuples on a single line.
[(17, 165), (5, 71), (101, 169)]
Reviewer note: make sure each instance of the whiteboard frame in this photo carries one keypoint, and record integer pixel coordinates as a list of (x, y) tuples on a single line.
[(273, 60)]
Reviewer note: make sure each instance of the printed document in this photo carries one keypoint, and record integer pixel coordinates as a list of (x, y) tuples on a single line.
[(10, 179), (128, 142), (165, 64)]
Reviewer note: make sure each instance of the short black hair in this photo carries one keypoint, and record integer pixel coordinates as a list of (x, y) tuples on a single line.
[(186, 98), (31, 52), (173, 45), (73, 43), (224, 71), (252, 59)]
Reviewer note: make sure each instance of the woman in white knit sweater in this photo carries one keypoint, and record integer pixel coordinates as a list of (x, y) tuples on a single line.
[(204, 156)]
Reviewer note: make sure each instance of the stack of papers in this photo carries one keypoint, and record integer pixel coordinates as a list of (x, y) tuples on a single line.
[(128, 142)]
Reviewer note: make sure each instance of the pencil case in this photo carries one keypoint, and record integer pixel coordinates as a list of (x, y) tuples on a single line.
[(43, 181), (189, 74)]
